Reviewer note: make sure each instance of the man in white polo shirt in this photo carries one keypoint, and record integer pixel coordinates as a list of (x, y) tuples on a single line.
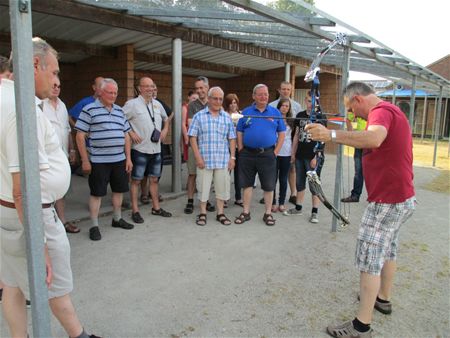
[(54, 180)]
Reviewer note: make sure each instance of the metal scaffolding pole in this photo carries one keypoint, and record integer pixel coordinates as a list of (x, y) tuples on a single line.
[(177, 87), (21, 34), (393, 93), (412, 104), (287, 72), (425, 110), (438, 123), (339, 153)]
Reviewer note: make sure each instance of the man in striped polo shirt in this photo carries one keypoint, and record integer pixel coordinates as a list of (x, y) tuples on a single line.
[(108, 159)]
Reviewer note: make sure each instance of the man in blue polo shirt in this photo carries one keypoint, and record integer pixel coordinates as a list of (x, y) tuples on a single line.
[(260, 137), (109, 158), (75, 111)]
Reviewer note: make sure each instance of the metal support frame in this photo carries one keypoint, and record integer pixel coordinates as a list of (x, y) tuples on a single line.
[(438, 123), (340, 147), (21, 34), (394, 88), (412, 103), (287, 72), (424, 116), (177, 86)]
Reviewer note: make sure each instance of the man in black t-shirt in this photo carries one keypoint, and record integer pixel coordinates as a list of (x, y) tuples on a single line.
[(303, 156)]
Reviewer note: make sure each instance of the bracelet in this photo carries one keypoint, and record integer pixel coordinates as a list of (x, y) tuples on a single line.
[(72, 150)]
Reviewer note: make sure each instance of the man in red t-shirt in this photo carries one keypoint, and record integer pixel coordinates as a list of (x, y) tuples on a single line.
[(388, 173)]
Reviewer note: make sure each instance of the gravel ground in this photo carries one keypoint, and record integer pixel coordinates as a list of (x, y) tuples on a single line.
[(171, 278)]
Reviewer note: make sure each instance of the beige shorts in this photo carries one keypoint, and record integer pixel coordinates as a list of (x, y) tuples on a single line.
[(191, 165), (221, 179), (13, 264)]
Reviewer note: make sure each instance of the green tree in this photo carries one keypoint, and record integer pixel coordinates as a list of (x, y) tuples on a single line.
[(289, 6)]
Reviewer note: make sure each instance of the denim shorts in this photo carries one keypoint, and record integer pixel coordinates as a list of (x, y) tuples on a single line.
[(145, 165), (378, 234)]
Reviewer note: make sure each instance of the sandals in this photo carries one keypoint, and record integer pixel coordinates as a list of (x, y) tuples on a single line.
[(201, 220), (241, 204), (269, 220), (71, 228), (189, 209), (145, 199), (282, 208), (274, 208), (223, 219), (161, 212), (242, 218)]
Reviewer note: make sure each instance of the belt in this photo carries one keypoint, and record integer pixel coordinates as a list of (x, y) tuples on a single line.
[(259, 150), (11, 205)]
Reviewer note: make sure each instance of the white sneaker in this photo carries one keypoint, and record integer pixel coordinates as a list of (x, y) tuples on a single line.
[(292, 212), (313, 218)]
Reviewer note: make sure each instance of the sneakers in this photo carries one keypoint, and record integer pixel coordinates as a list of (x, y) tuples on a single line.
[(313, 218), (384, 308), (350, 199), (136, 217), (292, 212), (94, 234), (346, 330), (121, 223)]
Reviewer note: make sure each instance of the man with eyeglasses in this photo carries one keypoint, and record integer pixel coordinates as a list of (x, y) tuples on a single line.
[(213, 143), (146, 116), (388, 173), (201, 88), (260, 138)]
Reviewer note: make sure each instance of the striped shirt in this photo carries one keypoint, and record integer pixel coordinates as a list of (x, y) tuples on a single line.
[(106, 132), (213, 135)]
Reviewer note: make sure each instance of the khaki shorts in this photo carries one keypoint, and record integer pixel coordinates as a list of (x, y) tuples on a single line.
[(13, 264), (221, 179), (191, 165)]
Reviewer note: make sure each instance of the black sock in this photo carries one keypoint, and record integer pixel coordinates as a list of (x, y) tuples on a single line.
[(382, 300), (298, 206), (315, 210), (360, 326), (191, 200)]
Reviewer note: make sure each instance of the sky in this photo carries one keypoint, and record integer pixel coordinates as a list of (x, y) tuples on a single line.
[(419, 30)]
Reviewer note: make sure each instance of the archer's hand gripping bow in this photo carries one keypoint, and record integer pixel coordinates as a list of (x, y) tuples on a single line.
[(316, 114)]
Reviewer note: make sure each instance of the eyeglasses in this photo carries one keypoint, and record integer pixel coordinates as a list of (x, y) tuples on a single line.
[(216, 98)]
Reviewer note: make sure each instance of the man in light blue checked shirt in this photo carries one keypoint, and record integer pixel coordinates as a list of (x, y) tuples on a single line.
[(213, 141)]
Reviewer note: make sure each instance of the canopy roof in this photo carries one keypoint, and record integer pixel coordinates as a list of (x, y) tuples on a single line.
[(227, 38)]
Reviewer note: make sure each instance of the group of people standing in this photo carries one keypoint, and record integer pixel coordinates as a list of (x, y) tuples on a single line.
[(255, 142), (115, 142)]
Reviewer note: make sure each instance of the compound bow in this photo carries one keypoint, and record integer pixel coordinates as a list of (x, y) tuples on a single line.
[(315, 116)]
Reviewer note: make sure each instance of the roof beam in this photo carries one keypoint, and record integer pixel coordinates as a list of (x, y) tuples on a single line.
[(72, 47), (82, 12), (194, 64)]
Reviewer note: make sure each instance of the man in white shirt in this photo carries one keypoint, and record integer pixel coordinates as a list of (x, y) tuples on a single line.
[(146, 116), (55, 110), (285, 92), (54, 173)]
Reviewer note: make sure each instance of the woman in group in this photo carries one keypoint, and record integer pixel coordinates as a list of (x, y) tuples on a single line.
[(231, 106), (284, 157)]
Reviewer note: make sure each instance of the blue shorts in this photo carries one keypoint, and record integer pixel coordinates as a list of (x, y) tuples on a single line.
[(145, 165)]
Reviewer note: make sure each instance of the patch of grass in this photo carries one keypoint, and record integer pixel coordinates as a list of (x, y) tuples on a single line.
[(441, 183)]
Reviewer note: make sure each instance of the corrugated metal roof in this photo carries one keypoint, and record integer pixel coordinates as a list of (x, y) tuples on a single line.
[(256, 25)]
